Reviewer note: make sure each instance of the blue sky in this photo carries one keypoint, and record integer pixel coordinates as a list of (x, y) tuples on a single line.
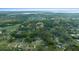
[(56, 10)]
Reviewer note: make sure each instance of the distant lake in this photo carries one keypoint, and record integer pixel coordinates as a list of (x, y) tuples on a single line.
[(22, 13)]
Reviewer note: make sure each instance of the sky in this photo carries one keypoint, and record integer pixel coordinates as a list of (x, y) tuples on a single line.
[(55, 10)]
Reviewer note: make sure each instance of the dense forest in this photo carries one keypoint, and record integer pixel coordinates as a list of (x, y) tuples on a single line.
[(39, 31)]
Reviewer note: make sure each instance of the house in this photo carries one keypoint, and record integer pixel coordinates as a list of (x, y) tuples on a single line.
[(0, 32), (39, 25)]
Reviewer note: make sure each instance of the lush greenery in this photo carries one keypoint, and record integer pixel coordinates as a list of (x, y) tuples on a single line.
[(39, 31)]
